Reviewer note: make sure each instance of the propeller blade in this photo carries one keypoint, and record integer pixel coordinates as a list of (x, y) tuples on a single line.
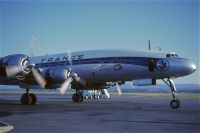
[(65, 85), (38, 77), (119, 89), (78, 79), (32, 45), (74, 75), (69, 56), (13, 70)]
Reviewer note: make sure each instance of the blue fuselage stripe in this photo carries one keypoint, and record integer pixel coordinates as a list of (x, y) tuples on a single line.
[(142, 61)]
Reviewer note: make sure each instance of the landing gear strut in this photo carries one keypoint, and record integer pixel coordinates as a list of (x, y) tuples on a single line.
[(28, 98), (77, 97), (175, 102)]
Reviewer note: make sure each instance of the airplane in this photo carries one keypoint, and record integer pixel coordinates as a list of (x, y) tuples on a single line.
[(93, 70)]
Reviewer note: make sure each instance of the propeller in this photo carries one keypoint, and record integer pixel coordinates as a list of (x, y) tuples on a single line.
[(38, 77), (32, 45), (69, 57), (119, 88), (36, 73), (72, 76), (67, 82), (13, 70), (65, 85), (75, 75)]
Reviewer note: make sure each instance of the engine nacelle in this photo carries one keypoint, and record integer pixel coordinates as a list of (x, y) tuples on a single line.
[(15, 63), (144, 82), (56, 74)]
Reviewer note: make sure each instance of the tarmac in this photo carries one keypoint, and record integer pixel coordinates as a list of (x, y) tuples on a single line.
[(122, 114)]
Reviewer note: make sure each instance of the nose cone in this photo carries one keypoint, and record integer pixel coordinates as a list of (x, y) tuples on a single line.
[(181, 67), (192, 67), (188, 67)]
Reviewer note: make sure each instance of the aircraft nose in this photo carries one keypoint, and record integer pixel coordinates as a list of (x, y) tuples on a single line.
[(192, 67), (185, 67)]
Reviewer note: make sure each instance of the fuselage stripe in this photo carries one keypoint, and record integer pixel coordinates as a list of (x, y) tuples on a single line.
[(142, 61)]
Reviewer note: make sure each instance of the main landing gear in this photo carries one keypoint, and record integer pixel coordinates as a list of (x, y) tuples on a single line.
[(28, 98), (175, 102), (77, 97)]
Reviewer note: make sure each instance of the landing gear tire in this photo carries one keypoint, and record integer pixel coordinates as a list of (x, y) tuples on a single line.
[(28, 99), (33, 99), (175, 104), (25, 99), (77, 97), (80, 97)]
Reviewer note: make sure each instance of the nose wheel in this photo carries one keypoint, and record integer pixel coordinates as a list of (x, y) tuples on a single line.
[(175, 102)]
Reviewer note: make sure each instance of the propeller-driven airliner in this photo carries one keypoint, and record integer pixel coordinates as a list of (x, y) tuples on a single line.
[(93, 70)]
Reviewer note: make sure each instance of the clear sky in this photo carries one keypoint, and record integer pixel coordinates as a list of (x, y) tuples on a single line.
[(60, 26)]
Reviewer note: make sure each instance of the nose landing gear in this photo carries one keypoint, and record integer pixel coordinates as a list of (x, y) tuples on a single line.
[(175, 102)]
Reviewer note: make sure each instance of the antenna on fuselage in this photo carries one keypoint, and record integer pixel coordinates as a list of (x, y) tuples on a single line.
[(149, 45)]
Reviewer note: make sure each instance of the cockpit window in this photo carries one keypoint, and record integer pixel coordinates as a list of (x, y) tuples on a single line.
[(168, 55), (175, 55), (172, 55)]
